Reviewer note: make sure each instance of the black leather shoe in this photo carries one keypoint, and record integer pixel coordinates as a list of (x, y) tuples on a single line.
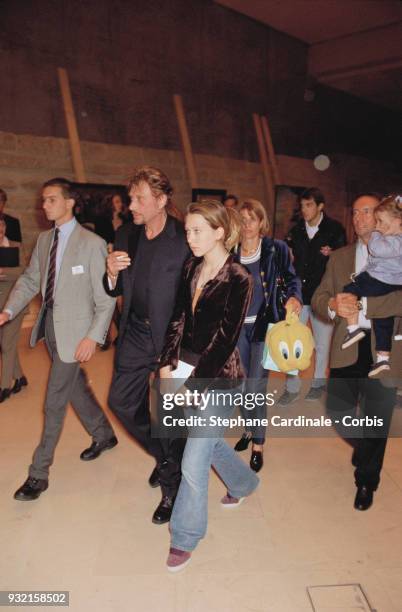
[(97, 448), (256, 461), (4, 394), (243, 443), (19, 383), (364, 498), (164, 511), (31, 489), (153, 480)]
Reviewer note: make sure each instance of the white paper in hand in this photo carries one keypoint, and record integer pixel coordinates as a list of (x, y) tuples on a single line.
[(183, 370)]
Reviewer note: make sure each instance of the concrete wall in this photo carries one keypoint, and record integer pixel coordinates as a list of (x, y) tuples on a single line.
[(27, 161)]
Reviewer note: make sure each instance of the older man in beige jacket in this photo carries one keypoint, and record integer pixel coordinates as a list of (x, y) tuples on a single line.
[(349, 386)]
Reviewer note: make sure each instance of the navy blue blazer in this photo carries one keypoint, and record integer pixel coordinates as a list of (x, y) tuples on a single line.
[(275, 265)]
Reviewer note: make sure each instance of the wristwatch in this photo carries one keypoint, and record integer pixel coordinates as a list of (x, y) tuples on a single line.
[(359, 305)]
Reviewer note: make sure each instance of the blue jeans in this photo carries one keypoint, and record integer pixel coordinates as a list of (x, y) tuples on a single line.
[(251, 354), (188, 523)]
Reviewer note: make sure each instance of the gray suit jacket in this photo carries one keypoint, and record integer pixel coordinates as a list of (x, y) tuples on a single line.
[(81, 306)]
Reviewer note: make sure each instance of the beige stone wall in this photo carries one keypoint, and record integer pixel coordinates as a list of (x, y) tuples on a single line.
[(27, 161)]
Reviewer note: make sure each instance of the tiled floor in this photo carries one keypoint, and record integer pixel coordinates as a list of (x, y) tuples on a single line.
[(91, 533)]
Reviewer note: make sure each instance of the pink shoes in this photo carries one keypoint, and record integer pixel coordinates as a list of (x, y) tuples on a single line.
[(231, 502), (177, 559)]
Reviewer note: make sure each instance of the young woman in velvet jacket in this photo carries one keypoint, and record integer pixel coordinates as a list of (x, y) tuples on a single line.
[(211, 305), (267, 260)]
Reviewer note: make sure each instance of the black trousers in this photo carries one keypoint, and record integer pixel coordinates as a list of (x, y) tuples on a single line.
[(352, 393), (364, 285), (129, 398)]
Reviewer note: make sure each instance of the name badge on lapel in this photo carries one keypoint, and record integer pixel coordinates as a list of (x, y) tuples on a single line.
[(77, 270)]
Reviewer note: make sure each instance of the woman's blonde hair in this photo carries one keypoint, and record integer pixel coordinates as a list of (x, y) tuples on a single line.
[(255, 207), (216, 215), (235, 220), (392, 204)]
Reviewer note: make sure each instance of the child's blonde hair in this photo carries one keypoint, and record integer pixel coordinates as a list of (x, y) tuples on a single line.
[(392, 204)]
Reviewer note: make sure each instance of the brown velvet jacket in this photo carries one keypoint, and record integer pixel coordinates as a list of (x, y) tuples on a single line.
[(213, 329)]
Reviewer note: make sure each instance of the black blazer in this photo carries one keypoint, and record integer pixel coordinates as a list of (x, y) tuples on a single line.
[(13, 228), (309, 263), (166, 272), (212, 331), (104, 227)]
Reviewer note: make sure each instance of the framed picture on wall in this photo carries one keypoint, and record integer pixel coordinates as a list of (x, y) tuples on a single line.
[(286, 209), (197, 195)]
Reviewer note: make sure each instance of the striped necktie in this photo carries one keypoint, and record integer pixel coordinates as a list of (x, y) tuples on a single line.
[(51, 274)]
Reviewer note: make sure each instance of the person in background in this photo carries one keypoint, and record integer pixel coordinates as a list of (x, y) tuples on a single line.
[(267, 260), (350, 392), (311, 242), (13, 228), (9, 334), (113, 214), (230, 201), (212, 301)]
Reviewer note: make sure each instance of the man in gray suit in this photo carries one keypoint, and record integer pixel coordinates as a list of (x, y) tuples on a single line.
[(66, 267)]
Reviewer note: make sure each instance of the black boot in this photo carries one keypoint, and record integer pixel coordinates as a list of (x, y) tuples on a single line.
[(153, 480), (4, 394), (242, 444), (256, 461), (19, 383), (163, 512)]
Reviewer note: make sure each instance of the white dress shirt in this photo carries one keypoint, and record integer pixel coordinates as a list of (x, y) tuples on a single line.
[(313, 229)]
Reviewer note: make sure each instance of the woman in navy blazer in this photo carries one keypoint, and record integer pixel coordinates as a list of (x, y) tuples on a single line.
[(276, 288)]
